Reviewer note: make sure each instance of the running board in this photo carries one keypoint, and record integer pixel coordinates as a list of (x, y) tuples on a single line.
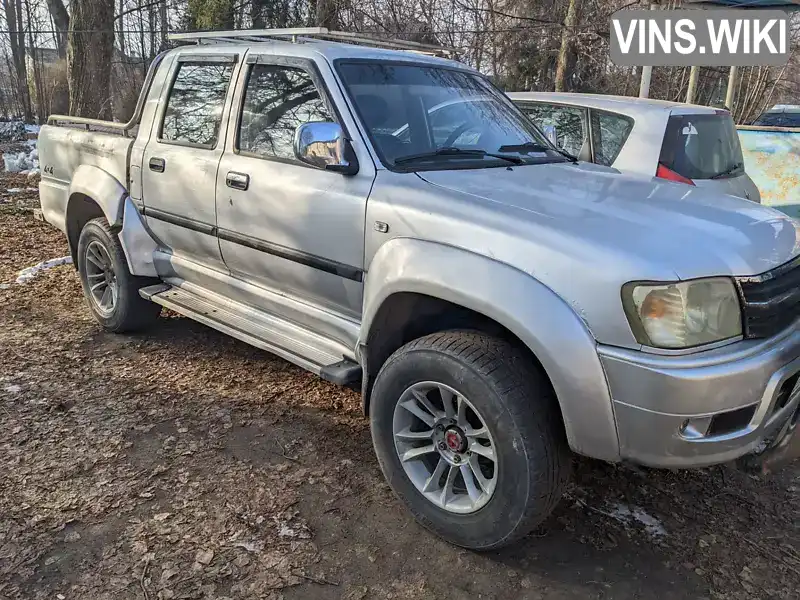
[(295, 344)]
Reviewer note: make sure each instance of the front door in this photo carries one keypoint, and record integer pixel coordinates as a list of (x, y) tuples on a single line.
[(179, 167), (287, 227)]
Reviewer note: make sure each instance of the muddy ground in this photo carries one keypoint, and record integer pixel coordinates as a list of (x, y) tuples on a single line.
[(181, 463)]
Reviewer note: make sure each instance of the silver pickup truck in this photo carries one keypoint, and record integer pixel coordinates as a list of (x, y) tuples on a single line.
[(500, 304)]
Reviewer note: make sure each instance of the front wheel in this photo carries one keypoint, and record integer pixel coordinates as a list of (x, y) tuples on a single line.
[(467, 432), (111, 291)]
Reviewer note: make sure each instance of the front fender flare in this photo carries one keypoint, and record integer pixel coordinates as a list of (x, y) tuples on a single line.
[(535, 314)]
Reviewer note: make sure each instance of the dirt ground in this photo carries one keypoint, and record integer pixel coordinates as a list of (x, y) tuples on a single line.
[(181, 463)]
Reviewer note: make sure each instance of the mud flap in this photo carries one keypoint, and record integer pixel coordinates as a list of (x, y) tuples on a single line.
[(783, 449)]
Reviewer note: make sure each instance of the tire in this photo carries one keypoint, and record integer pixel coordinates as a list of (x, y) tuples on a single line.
[(516, 402), (129, 311)]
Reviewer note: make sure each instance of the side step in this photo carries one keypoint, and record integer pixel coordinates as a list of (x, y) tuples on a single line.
[(295, 344), (345, 372)]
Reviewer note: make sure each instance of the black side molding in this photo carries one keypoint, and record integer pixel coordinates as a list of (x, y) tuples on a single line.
[(298, 256), (179, 220)]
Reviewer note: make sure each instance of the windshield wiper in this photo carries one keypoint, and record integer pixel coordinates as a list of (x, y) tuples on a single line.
[(458, 153), (534, 147), (729, 171)]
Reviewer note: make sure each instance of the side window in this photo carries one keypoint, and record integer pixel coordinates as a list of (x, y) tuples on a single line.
[(564, 124), (610, 131), (195, 104), (278, 99)]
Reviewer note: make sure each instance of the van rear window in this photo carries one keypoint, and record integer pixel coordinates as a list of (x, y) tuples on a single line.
[(702, 146)]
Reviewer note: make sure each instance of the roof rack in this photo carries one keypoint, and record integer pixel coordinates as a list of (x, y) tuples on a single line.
[(309, 34)]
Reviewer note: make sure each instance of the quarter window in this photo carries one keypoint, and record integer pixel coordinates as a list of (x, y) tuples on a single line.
[(195, 104), (610, 131), (278, 99)]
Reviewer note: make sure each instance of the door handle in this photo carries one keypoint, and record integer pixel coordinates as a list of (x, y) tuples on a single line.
[(237, 181), (157, 164)]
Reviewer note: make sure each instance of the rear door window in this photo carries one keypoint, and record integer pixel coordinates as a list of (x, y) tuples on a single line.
[(564, 125), (195, 104), (610, 131), (703, 146)]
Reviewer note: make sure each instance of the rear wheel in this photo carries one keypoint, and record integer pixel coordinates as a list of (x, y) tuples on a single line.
[(111, 291), (468, 434)]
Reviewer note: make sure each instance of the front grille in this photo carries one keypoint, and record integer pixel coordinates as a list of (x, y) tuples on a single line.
[(771, 300)]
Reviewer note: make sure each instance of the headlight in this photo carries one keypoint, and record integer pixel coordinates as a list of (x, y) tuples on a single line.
[(684, 314)]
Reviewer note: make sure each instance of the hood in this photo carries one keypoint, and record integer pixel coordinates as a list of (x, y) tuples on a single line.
[(690, 231)]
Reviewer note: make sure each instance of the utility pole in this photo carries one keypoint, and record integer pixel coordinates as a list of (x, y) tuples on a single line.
[(694, 75), (647, 72), (729, 96)]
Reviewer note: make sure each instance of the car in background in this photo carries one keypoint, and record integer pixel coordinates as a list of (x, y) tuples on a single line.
[(781, 115), (695, 145)]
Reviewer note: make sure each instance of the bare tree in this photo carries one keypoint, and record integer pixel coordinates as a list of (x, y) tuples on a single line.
[(16, 36), (566, 42), (90, 49), (60, 16)]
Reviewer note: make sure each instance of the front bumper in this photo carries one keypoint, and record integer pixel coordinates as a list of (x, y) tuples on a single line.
[(706, 408)]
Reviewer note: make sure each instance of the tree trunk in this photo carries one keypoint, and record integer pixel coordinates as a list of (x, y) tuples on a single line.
[(162, 17), (257, 14), (121, 26), (89, 52), (60, 17), (326, 14), (13, 10), (38, 79), (566, 41)]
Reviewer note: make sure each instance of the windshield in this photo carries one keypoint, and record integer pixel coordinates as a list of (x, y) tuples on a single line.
[(420, 117), (702, 146)]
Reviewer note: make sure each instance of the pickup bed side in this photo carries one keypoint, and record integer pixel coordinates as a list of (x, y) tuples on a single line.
[(86, 173)]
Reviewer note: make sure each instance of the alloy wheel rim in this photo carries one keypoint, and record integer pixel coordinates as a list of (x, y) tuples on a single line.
[(101, 278), (445, 447)]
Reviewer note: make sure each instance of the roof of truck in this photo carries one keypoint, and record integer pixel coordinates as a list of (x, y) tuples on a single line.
[(625, 104), (308, 48)]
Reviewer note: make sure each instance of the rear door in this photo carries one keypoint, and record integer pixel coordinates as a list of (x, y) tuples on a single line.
[(179, 166), (704, 147)]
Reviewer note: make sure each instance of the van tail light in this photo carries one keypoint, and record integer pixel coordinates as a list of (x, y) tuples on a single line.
[(664, 173)]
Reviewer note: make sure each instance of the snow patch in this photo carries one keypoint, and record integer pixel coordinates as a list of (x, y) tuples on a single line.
[(12, 388), (21, 162), (32, 128), (12, 131), (628, 514), (20, 190), (29, 273)]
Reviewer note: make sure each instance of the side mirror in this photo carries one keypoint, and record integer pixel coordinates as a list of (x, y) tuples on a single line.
[(323, 145)]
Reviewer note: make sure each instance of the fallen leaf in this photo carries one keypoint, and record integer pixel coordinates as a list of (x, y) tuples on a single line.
[(72, 536), (204, 557)]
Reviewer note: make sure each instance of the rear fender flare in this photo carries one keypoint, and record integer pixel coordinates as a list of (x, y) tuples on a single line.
[(102, 187), (120, 212)]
